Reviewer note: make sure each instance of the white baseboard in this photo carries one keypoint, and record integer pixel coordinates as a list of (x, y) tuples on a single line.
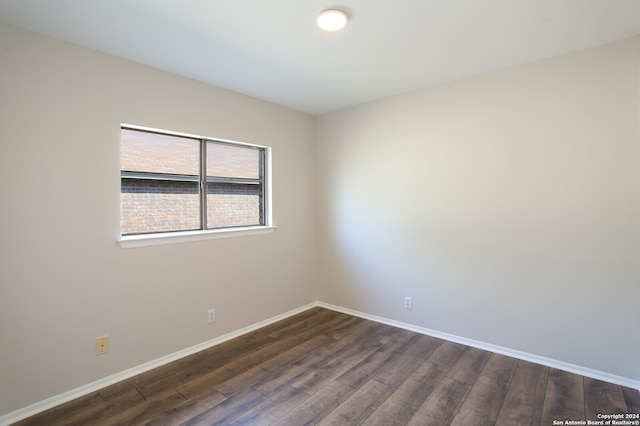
[(560, 365), (56, 400)]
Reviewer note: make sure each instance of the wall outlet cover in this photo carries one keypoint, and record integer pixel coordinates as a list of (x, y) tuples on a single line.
[(407, 302), (102, 345)]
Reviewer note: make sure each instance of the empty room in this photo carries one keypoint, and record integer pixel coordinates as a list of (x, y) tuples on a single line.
[(419, 212)]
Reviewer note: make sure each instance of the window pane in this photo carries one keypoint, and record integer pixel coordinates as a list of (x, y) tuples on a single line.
[(156, 153), (233, 205), (234, 185), (162, 202), (232, 161), (148, 205)]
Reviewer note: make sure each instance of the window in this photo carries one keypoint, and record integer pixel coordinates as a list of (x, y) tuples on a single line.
[(176, 183)]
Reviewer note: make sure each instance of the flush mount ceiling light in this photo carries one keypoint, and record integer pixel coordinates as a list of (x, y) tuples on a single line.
[(332, 20)]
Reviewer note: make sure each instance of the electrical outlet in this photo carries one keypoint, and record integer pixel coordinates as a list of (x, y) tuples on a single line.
[(211, 316), (102, 345), (407, 302)]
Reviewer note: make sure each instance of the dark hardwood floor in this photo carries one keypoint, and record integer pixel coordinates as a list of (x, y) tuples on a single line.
[(328, 368)]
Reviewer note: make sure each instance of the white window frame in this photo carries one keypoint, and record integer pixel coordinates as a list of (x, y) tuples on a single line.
[(159, 238)]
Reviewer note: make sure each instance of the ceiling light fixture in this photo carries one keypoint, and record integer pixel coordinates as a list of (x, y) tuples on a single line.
[(332, 20)]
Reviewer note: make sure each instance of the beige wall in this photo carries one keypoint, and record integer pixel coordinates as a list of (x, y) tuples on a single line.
[(63, 278), (507, 206)]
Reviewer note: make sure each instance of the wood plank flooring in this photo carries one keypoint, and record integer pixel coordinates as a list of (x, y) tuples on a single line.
[(327, 368)]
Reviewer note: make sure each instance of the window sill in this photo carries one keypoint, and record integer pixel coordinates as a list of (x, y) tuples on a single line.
[(132, 241)]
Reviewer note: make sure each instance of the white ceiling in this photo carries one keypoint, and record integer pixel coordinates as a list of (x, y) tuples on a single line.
[(272, 50)]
